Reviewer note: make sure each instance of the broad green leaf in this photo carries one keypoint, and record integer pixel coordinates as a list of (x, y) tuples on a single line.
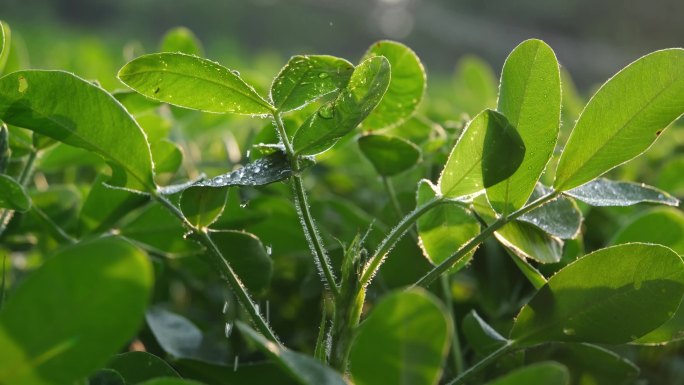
[(106, 377), (252, 373), (137, 367), (5, 43), (169, 381), (389, 155), (406, 87), (624, 117), (92, 120), (192, 82), (404, 340), (663, 226), (560, 217), (670, 175), (269, 169), (176, 335), (12, 195), (247, 256), (604, 192), (443, 229), (167, 156), (475, 85), (530, 98), (5, 151), (203, 205), (306, 370), (488, 152), (480, 336), (307, 78), (91, 295), (333, 120), (105, 206), (613, 296), (546, 373), (181, 39)]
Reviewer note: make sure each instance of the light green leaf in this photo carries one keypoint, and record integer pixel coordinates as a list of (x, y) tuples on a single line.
[(613, 296), (529, 97), (203, 205), (670, 175), (389, 155), (137, 367), (306, 370), (475, 85), (443, 229), (604, 192), (68, 294), (404, 340), (192, 82), (105, 206), (406, 88), (480, 336), (92, 120), (5, 43), (12, 195), (333, 120), (624, 117), (167, 156), (561, 217), (247, 256), (488, 152), (546, 373), (181, 39), (307, 78), (529, 242)]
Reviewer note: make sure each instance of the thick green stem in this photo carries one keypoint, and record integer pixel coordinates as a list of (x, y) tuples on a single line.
[(438, 270), (214, 255), (455, 342), (478, 367), (312, 236)]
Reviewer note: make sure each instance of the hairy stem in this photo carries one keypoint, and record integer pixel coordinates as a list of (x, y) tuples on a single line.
[(478, 367)]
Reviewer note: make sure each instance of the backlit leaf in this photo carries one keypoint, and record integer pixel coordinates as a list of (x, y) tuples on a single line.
[(203, 205), (560, 217), (5, 43), (247, 256), (605, 192)]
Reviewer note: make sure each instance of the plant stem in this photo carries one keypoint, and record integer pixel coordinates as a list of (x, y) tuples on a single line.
[(428, 278), (482, 364), (392, 196), (6, 214), (224, 267), (312, 236), (455, 341)]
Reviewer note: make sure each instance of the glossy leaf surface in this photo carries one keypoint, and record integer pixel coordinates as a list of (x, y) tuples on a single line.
[(561, 217), (605, 192)]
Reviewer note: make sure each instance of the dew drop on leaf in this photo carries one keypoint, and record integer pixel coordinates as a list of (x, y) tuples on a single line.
[(569, 331), (228, 329), (23, 84)]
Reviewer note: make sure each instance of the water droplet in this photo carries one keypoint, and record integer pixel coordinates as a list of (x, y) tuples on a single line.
[(228, 329), (236, 363), (248, 153), (256, 307), (323, 75), (244, 204), (569, 331), (269, 249), (327, 111), (225, 307), (23, 84), (235, 72)]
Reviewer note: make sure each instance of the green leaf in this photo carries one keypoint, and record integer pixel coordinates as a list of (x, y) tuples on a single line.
[(167, 156), (480, 336), (169, 381), (613, 296), (269, 169), (475, 85), (71, 315), (181, 39), (406, 87), (333, 120), (175, 334), (5, 43), (670, 175), (561, 217), (252, 373), (137, 367), (105, 206), (389, 155), (443, 229), (12, 195), (306, 370), (603, 192), (624, 117), (404, 340), (92, 120), (203, 205), (247, 256), (5, 151), (106, 377), (307, 78), (192, 82), (530, 98), (488, 152), (547, 373)]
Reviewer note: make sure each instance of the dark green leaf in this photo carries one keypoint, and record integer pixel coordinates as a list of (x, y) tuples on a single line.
[(624, 117), (480, 336), (269, 169), (670, 175), (92, 120), (192, 82), (106, 377), (333, 120), (175, 334), (488, 152), (546, 373), (404, 340), (604, 192), (389, 155), (260, 373), (54, 329), (406, 87), (137, 367), (247, 256), (12, 195), (203, 205), (306, 370), (560, 217), (169, 381), (307, 78), (105, 206), (181, 39), (614, 295), (529, 97)]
